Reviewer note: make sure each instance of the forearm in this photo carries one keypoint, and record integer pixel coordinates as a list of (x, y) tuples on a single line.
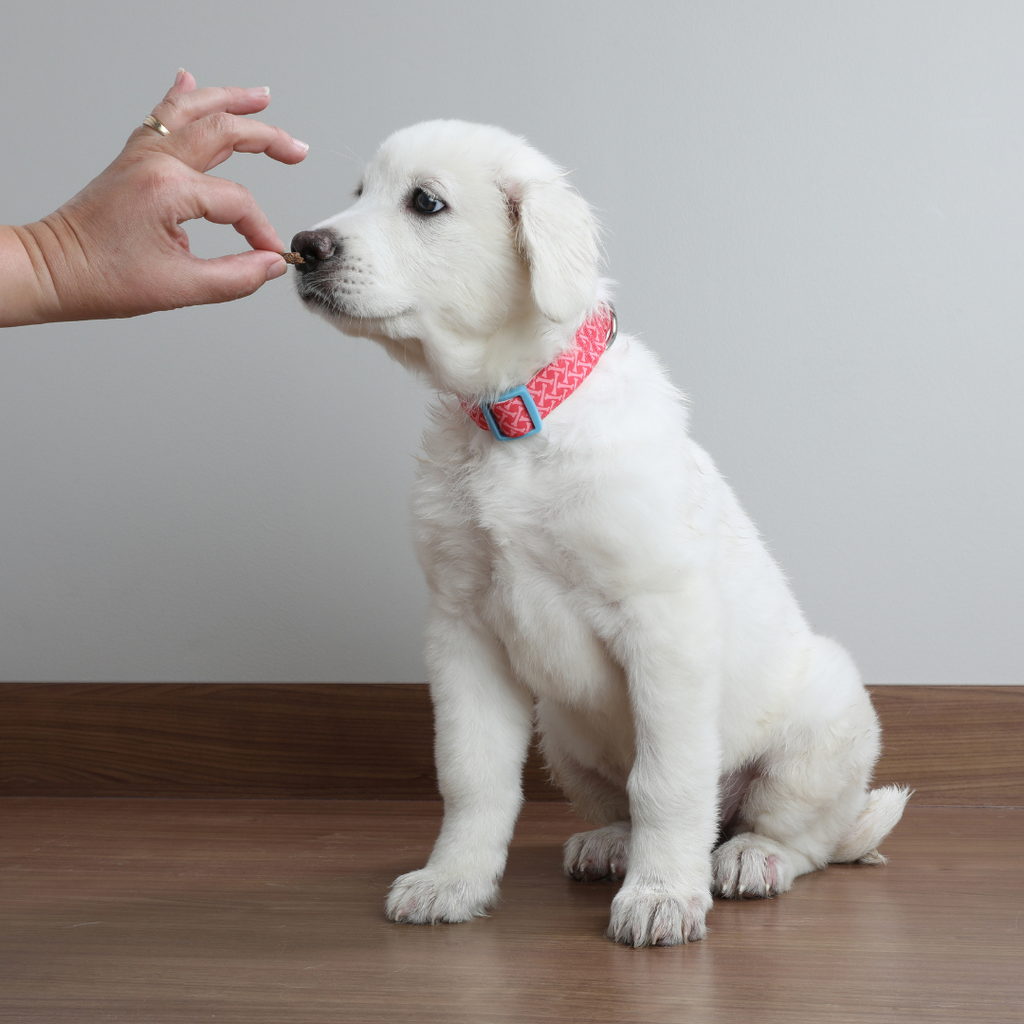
[(27, 294)]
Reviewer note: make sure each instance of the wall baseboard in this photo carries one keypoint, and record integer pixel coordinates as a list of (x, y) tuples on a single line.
[(952, 744)]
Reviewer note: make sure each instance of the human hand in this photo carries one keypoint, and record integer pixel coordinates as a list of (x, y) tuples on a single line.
[(118, 248)]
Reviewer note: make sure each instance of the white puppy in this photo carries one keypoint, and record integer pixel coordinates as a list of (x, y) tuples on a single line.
[(597, 579)]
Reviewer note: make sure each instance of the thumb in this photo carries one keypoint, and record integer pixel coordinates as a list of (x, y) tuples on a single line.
[(232, 277)]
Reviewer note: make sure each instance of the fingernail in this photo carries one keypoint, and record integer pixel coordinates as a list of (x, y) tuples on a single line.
[(302, 145), (276, 270), (259, 92), (179, 76)]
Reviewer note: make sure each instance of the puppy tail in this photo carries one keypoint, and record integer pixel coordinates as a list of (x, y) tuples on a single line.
[(881, 812)]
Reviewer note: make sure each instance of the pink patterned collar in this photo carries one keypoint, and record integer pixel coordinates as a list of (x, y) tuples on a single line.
[(520, 410)]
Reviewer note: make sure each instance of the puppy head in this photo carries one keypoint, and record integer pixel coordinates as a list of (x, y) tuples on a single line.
[(458, 233)]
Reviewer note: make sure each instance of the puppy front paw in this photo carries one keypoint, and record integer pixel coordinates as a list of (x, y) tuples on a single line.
[(603, 853), (427, 897), (651, 916)]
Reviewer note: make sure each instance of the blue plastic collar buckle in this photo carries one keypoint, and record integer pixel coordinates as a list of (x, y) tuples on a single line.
[(531, 411)]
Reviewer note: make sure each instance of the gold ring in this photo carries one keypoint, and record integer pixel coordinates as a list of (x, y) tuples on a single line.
[(151, 122)]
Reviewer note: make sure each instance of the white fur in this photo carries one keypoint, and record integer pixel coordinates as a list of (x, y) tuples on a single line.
[(598, 580)]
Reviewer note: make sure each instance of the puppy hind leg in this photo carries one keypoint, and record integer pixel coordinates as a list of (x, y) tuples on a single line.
[(754, 864), (812, 791), (603, 852), (786, 829), (593, 797), (789, 824)]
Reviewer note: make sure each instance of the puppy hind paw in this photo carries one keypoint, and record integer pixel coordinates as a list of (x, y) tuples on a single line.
[(423, 897), (873, 857), (602, 853), (643, 916), (750, 866)]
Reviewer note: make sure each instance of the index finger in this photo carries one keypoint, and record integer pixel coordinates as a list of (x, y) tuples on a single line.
[(225, 202)]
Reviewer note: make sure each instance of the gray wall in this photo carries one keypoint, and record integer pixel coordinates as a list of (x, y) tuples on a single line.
[(815, 212)]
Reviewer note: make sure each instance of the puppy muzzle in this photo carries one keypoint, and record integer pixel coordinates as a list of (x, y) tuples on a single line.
[(316, 248)]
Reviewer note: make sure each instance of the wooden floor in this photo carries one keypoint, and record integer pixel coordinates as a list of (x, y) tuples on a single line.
[(270, 911)]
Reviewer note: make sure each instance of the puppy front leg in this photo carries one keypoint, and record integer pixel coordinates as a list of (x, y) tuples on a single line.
[(483, 721), (671, 666)]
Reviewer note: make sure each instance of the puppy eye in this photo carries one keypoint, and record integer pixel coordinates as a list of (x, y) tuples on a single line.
[(359, 191), (424, 202)]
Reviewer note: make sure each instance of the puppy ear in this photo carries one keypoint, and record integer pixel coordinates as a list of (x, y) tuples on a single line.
[(557, 235)]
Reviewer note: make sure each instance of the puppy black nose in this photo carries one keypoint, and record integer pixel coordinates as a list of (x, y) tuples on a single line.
[(314, 247)]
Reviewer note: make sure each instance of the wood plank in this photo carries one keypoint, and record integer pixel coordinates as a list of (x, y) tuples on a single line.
[(954, 745), (259, 740), (270, 912)]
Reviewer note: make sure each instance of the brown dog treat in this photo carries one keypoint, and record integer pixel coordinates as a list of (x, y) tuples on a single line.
[(292, 257)]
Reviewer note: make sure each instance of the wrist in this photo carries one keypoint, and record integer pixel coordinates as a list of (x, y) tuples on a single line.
[(27, 292)]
